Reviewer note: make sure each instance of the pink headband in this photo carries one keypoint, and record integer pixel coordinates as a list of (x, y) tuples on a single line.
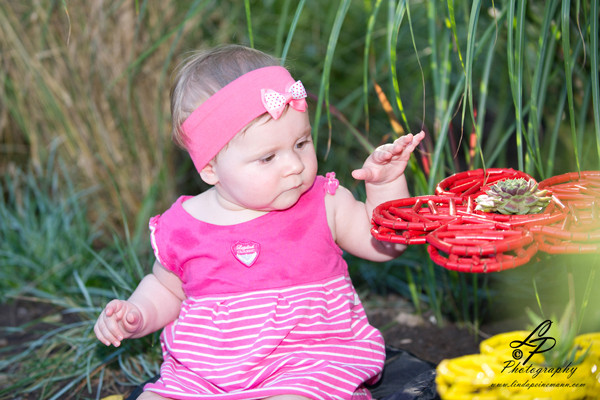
[(212, 125)]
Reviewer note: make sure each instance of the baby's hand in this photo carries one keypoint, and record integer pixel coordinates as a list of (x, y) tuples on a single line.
[(119, 320), (387, 163)]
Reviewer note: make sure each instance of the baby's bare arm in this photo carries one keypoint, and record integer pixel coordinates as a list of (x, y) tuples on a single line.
[(155, 302), (383, 173)]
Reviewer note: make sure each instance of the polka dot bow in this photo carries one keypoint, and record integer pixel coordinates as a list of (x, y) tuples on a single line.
[(275, 102)]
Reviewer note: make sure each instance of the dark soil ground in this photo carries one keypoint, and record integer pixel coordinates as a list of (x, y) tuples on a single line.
[(422, 336), (394, 316)]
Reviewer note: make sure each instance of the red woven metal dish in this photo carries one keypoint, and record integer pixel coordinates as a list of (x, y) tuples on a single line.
[(584, 185), (470, 238), (558, 241), (407, 221), (475, 182), (579, 232), (466, 240), (480, 246), (554, 213), (474, 264)]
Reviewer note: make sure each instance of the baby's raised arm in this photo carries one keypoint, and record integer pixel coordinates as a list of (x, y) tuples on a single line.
[(154, 303), (383, 173)]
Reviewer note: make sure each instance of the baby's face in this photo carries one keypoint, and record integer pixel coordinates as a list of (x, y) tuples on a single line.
[(270, 165)]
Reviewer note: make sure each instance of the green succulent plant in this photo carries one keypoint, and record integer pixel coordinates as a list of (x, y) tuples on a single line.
[(514, 196)]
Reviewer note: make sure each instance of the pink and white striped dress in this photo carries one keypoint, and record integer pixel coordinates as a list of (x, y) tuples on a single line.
[(270, 308)]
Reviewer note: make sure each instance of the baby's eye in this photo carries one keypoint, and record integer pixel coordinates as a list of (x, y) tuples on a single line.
[(267, 159), (301, 144)]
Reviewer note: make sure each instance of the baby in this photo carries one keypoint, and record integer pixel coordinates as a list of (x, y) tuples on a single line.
[(249, 282)]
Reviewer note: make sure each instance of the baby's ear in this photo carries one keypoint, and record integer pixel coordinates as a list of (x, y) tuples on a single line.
[(208, 174)]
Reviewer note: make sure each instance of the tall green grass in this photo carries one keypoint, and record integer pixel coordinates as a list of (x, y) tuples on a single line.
[(486, 80), (45, 234), (52, 257)]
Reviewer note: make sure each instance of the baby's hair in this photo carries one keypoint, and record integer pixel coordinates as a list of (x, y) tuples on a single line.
[(204, 73)]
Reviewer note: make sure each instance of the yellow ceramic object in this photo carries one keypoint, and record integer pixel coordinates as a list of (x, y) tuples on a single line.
[(498, 373), (590, 343)]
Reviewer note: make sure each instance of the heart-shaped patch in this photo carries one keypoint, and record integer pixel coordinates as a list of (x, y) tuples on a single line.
[(246, 252)]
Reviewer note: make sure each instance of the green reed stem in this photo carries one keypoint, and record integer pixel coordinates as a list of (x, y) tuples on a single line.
[(292, 30), (393, 43), (468, 68), (249, 22), (325, 76), (568, 65), (366, 53), (538, 86), (594, 50), (515, 37), (452, 20)]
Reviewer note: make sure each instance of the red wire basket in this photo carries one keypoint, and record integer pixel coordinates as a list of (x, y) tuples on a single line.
[(408, 221), (579, 232), (475, 182), (463, 239)]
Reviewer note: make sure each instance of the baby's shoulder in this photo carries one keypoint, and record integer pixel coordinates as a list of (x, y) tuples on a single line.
[(340, 205), (200, 206)]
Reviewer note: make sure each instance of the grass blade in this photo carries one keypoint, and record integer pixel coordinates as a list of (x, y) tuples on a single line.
[(281, 27), (594, 50), (515, 38), (291, 31), (441, 67), (324, 87), (366, 54), (442, 139), (554, 134), (392, 46), (412, 37), (468, 67), (452, 21), (481, 110), (568, 64), (249, 22), (536, 99)]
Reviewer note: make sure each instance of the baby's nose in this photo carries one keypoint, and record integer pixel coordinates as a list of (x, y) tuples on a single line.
[(294, 164)]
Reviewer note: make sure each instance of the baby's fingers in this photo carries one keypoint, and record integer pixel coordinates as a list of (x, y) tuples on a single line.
[(114, 322), (415, 140), (401, 148), (114, 307), (363, 174), (108, 332), (406, 144)]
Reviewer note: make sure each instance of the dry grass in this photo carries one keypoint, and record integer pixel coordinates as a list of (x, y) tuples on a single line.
[(69, 76)]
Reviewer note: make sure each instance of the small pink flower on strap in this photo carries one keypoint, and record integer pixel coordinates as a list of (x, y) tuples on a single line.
[(275, 102), (332, 183)]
